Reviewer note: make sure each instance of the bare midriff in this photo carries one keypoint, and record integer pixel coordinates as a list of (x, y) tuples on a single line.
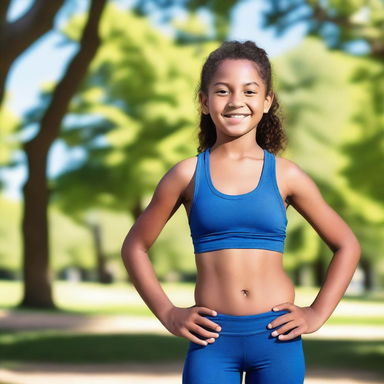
[(242, 281)]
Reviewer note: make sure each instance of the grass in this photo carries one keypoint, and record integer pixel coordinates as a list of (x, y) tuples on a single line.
[(122, 299), (63, 347)]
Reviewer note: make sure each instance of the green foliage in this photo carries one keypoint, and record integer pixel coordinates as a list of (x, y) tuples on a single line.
[(10, 239), (366, 149), (134, 118), (339, 23), (141, 95), (320, 101), (173, 250), (71, 242), (8, 140)]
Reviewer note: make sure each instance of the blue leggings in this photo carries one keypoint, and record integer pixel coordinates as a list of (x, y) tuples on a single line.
[(245, 345)]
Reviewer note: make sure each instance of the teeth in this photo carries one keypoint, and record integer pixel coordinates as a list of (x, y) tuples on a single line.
[(236, 116)]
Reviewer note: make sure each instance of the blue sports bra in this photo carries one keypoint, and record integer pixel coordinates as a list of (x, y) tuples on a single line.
[(256, 219)]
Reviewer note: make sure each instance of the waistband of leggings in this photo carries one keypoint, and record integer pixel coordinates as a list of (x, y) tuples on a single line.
[(244, 324)]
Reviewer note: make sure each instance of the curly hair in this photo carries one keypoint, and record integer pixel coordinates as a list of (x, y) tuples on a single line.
[(269, 134)]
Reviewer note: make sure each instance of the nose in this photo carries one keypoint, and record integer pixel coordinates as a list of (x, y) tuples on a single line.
[(235, 101)]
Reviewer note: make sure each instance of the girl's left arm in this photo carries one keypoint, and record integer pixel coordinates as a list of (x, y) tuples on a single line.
[(304, 195)]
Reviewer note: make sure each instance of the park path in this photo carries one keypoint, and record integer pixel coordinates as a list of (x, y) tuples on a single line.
[(133, 373)]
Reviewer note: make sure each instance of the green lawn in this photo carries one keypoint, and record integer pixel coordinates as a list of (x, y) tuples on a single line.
[(92, 298), (121, 298), (63, 347)]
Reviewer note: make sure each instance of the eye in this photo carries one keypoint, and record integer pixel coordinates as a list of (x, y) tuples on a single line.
[(250, 92), (221, 91)]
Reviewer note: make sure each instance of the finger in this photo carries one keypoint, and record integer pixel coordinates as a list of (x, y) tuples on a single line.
[(195, 339), (208, 323), (191, 337), (281, 320), (285, 328), (203, 332), (291, 335), (206, 311), (283, 306)]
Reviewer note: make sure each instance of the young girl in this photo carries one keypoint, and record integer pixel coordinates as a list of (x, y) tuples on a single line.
[(236, 192)]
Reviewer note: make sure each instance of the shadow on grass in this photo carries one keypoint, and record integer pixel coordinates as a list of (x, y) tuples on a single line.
[(65, 347)]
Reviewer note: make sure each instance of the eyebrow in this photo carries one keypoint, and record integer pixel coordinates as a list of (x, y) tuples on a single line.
[(221, 82)]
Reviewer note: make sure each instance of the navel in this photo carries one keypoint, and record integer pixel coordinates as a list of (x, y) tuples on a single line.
[(245, 292)]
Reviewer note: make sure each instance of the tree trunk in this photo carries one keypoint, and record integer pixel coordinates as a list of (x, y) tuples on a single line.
[(297, 276), (37, 282), (319, 271), (366, 266), (103, 276)]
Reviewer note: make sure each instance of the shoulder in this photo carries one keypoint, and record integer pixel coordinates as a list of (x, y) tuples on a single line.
[(297, 181), (179, 175), (184, 169), (288, 167)]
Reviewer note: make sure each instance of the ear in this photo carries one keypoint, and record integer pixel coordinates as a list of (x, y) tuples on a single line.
[(203, 99), (268, 102)]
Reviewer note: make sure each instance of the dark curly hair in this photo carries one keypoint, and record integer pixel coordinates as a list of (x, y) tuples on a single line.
[(270, 134)]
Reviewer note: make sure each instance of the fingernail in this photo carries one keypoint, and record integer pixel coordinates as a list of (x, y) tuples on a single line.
[(269, 326), (274, 309), (214, 313), (274, 333), (218, 329)]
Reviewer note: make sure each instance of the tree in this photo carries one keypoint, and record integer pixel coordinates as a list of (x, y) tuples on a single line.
[(143, 117), (18, 36), (37, 285)]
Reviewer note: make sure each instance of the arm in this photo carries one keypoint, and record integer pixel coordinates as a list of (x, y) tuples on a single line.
[(166, 200), (305, 197), (164, 203)]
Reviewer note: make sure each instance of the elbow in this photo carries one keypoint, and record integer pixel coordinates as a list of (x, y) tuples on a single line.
[(353, 247), (132, 245), (357, 247), (126, 248), (349, 245)]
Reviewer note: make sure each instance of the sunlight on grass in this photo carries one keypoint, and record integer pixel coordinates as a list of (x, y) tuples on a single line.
[(123, 299)]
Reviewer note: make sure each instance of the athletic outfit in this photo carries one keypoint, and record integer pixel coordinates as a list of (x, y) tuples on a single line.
[(256, 219)]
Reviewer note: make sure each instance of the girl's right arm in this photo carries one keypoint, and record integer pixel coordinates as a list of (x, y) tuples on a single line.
[(165, 201)]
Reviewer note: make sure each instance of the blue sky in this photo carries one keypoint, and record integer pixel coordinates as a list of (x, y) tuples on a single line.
[(45, 61)]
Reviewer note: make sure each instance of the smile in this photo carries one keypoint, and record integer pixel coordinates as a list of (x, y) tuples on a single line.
[(236, 116)]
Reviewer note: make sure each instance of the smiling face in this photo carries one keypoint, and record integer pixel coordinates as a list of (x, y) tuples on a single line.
[(236, 97)]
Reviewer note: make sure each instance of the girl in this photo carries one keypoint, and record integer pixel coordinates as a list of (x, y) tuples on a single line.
[(236, 192)]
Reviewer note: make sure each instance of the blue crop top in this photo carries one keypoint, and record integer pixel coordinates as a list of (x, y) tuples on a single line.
[(256, 219)]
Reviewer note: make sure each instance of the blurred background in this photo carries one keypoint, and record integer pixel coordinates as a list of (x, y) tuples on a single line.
[(98, 102)]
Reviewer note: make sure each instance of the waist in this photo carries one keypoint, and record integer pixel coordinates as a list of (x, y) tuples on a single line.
[(240, 325)]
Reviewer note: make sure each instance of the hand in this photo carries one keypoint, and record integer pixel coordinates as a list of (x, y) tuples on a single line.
[(181, 321), (299, 320)]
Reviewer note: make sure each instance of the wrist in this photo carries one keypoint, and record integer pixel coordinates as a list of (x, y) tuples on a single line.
[(163, 313), (320, 315)]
